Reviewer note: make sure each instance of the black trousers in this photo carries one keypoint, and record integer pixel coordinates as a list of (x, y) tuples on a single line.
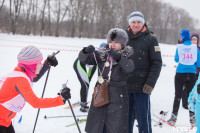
[(84, 85), (9, 129), (184, 95), (182, 79)]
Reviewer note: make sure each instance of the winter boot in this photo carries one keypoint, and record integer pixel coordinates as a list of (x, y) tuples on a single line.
[(172, 119), (84, 107), (192, 119)]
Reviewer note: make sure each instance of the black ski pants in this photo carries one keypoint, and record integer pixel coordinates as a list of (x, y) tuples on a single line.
[(84, 85), (9, 129), (182, 79)]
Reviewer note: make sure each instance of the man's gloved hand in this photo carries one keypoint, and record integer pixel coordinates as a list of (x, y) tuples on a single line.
[(65, 94), (147, 89), (115, 54), (191, 106), (198, 88), (51, 60), (89, 49)]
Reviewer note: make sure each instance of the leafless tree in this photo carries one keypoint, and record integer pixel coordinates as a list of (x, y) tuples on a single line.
[(60, 18), (2, 4), (15, 8), (28, 6), (42, 18), (34, 16), (92, 18)]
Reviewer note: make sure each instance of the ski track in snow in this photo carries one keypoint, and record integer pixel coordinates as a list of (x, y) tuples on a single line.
[(161, 98)]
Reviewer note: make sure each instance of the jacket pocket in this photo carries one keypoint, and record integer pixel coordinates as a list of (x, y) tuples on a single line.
[(123, 94)]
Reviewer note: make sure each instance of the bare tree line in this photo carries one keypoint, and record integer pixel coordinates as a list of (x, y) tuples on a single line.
[(91, 18)]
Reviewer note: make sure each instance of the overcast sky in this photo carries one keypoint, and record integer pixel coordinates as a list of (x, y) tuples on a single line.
[(191, 6)]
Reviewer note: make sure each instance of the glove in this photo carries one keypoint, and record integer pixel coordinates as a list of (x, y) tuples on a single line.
[(52, 61), (115, 55), (89, 49), (191, 106), (147, 89), (65, 94), (198, 88)]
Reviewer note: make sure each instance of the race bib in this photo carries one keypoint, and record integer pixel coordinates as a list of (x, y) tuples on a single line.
[(187, 54)]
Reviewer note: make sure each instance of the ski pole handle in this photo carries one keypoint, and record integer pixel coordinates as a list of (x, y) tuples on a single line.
[(53, 54)]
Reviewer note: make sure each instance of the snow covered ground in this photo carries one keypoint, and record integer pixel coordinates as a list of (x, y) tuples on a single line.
[(161, 98)]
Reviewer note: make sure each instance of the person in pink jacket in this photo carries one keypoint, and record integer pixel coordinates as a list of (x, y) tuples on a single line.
[(16, 88)]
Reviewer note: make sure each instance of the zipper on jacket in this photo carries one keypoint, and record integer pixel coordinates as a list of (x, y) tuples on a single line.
[(10, 114)]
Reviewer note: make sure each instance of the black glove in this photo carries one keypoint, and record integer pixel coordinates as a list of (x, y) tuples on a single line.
[(51, 60), (198, 88), (147, 89), (89, 49), (115, 55), (65, 94)]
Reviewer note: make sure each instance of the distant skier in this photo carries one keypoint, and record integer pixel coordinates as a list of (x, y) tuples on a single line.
[(16, 88), (188, 58), (195, 40), (84, 78)]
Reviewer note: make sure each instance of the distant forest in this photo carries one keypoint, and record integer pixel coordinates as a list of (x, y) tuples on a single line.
[(91, 18)]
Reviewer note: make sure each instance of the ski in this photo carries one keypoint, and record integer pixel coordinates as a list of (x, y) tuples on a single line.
[(61, 116), (175, 127), (74, 105), (158, 123), (78, 120), (161, 119)]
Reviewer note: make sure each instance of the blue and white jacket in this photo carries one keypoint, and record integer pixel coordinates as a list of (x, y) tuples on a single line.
[(194, 96), (188, 57)]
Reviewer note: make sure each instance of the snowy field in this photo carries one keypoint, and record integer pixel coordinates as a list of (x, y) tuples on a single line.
[(161, 98)]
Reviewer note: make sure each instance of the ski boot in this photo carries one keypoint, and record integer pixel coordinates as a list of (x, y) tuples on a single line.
[(172, 119), (84, 107), (192, 119)]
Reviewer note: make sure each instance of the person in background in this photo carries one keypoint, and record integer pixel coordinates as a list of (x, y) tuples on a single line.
[(16, 88), (195, 40), (188, 58), (84, 78), (141, 81)]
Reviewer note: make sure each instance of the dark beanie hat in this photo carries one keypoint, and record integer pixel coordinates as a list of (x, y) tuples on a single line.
[(185, 35), (117, 35), (195, 35)]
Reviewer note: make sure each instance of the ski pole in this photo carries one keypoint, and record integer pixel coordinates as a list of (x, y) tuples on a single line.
[(53, 55), (63, 86), (47, 117)]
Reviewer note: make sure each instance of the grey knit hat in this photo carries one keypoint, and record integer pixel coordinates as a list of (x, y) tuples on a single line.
[(136, 16), (117, 35)]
